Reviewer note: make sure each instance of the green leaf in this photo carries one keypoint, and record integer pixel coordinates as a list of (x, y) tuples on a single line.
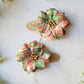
[(1, 58), (82, 81), (83, 73), (58, 36), (1, 81), (3, 1)]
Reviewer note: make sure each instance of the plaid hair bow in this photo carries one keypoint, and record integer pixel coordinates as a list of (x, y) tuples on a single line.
[(51, 24), (33, 56)]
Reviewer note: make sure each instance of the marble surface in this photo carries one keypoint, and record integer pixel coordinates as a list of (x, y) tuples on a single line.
[(13, 33)]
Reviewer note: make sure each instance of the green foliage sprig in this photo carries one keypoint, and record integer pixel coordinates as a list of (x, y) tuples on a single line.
[(4, 1), (1, 58), (82, 81), (1, 81)]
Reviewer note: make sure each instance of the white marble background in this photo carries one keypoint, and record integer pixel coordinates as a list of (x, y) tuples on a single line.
[(13, 33)]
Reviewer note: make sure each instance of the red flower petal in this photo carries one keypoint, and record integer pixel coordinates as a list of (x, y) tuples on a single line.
[(30, 65), (59, 30), (53, 31), (25, 54), (45, 60), (64, 23), (50, 36), (60, 14), (43, 46), (43, 29)]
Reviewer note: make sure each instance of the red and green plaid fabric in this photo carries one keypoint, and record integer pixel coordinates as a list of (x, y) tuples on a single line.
[(60, 21), (33, 48)]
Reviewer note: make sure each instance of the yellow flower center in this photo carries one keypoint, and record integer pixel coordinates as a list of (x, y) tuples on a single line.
[(33, 58), (51, 24)]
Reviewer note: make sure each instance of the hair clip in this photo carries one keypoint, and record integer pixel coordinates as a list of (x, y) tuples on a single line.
[(50, 24), (34, 56)]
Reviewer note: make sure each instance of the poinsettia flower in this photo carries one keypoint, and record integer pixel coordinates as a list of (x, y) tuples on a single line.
[(33, 56), (52, 24)]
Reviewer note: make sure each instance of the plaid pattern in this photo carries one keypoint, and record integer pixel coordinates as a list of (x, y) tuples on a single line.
[(44, 17), (52, 11), (33, 48), (60, 21)]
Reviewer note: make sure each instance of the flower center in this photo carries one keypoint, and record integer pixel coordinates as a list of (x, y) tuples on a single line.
[(33, 58), (51, 24)]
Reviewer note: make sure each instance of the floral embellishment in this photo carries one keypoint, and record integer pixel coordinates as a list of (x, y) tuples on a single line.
[(52, 24), (33, 56)]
